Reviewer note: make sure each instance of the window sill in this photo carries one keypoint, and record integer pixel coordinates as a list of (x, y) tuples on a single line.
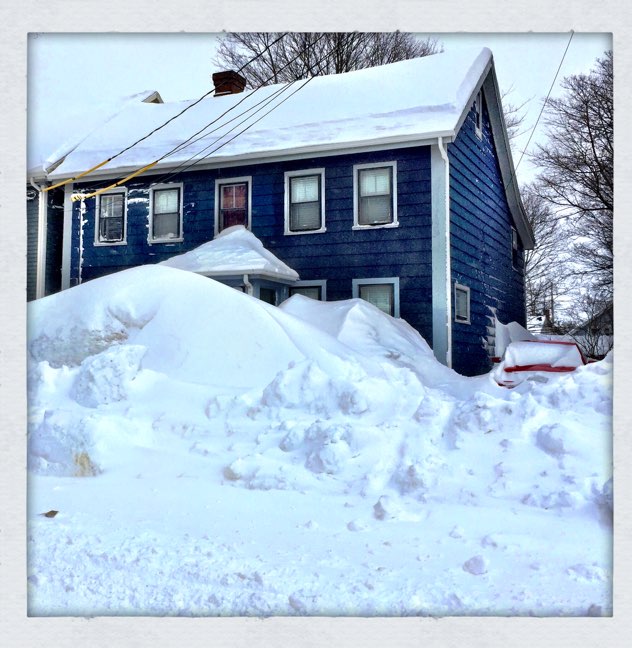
[(379, 226), (109, 243), (162, 241), (461, 321), (322, 230)]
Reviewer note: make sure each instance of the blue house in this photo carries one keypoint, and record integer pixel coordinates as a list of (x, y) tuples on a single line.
[(394, 184)]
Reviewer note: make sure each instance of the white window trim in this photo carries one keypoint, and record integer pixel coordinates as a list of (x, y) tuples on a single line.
[(465, 289), (286, 205), (157, 187), (394, 281), (374, 165), (97, 218), (223, 181), (478, 127), (316, 283)]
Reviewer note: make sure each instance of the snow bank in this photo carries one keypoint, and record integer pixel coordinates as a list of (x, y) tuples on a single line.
[(309, 459)]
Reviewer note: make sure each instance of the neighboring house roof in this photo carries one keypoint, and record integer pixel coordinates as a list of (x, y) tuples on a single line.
[(235, 251), (601, 319), (411, 102)]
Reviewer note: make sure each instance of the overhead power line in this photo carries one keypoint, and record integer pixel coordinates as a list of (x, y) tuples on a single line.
[(559, 67), (155, 162), (189, 141), (184, 167), (138, 141)]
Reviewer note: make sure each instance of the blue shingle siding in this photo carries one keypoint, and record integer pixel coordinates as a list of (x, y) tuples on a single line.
[(54, 240), (338, 255), (480, 244), (32, 223)]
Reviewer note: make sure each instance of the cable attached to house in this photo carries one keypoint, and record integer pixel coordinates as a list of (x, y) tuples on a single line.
[(197, 101)]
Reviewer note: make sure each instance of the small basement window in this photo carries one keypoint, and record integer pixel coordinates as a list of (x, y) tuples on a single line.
[(232, 203), (461, 304), (375, 194), (312, 289), (382, 293), (268, 295), (111, 218), (166, 214), (304, 203)]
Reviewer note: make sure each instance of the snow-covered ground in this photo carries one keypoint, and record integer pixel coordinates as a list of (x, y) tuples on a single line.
[(209, 454)]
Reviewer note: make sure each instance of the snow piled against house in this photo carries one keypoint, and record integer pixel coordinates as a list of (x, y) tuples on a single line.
[(209, 454)]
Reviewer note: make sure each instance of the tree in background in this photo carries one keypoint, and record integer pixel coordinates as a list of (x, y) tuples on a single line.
[(299, 55), (576, 179), (545, 276)]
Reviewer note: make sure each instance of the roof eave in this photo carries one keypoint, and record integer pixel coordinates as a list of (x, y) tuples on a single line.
[(239, 273), (489, 84), (318, 150)]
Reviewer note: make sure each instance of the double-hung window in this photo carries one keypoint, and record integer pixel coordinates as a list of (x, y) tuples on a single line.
[(382, 293), (232, 203), (375, 195), (111, 209), (304, 201), (166, 213)]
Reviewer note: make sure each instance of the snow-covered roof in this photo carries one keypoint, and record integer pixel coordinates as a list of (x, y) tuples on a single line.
[(234, 251), (409, 102), (412, 100), (46, 149)]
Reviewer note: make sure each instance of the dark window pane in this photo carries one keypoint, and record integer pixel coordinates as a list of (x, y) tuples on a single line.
[(461, 305), (305, 217), (233, 205), (166, 226), (268, 295), (111, 217)]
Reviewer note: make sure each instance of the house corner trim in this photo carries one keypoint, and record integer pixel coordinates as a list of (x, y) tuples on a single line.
[(441, 267), (67, 237)]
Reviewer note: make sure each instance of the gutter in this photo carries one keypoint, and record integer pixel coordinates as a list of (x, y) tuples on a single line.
[(318, 150), (248, 285), (448, 265)]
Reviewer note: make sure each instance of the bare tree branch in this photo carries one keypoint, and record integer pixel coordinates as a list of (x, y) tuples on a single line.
[(299, 55)]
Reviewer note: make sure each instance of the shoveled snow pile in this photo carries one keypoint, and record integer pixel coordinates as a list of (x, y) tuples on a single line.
[(209, 454)]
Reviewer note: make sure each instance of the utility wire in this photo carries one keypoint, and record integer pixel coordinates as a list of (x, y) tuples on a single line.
[(197, 101), (197, 159), (187, 142), (152, 164), (547, 98), (191, 139)]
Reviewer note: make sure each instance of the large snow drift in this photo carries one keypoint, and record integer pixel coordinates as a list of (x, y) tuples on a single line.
[(209, 454)]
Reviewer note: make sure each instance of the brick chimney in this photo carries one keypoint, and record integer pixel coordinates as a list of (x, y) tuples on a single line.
[(228, 82)]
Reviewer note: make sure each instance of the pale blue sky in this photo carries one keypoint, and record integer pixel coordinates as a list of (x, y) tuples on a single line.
[(69, 74)]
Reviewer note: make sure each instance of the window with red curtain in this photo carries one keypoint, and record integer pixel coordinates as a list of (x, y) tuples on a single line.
[(233, 208)]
